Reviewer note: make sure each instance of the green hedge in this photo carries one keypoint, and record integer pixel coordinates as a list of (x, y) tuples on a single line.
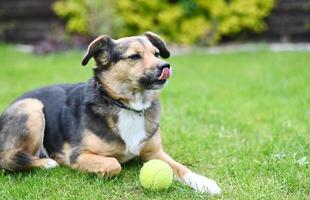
[(180, 21)]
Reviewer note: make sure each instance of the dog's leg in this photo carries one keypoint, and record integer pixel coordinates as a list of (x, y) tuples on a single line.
[(153, 150), (21, 136), (106, 166)]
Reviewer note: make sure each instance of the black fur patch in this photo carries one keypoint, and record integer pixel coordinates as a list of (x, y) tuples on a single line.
[(149, 81), (159, 44), (15, 160), (21, 161)]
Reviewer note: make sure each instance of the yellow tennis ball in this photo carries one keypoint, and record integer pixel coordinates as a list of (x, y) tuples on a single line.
[(156, 174)]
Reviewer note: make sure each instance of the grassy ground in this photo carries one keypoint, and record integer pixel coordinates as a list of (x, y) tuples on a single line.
[(240, 118)]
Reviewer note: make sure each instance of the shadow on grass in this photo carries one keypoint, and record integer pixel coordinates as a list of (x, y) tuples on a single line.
[(19, 174), (128, 179), (133, 164)]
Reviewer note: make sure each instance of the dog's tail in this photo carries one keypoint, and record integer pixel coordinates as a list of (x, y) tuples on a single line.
[(15, 160)]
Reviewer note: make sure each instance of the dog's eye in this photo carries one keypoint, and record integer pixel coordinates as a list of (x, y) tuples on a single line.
[(156, 54), (135, 57)]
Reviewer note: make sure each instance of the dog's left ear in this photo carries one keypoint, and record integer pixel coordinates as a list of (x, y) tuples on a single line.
[(158, 43), (101, 46)]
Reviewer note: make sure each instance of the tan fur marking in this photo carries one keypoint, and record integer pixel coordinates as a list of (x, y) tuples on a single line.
[(35, 123), (28, 105), (112, 123), (63, 158), (39, 162), (153, 150), (106, 166), (111, 85), (67, 149), (94, 144), (152, 146)]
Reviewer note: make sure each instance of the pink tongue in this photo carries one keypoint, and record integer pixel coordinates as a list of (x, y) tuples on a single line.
[(166, 73)]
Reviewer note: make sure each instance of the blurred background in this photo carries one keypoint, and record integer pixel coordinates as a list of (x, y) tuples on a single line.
[(53, 25)]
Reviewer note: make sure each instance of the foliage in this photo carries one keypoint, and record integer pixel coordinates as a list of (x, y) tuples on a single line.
[(89, 17), (183, 21)]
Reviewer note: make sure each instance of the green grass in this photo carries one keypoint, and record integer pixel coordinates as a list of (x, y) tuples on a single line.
[(240, 118)]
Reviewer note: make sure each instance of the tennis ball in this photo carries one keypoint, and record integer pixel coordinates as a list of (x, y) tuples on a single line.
[(156, 174)]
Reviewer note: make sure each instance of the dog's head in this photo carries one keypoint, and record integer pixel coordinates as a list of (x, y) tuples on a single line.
[(132, 61)]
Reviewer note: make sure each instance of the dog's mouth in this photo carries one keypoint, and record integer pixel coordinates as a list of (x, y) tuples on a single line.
[(153, 81)]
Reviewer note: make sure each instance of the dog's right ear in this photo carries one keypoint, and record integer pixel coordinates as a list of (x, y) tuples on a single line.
[(102, 44)]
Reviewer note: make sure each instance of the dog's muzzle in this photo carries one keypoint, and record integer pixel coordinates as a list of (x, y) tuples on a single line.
[(157, 78)]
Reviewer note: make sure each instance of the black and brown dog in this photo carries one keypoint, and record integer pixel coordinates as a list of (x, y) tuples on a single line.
[(97, 125)]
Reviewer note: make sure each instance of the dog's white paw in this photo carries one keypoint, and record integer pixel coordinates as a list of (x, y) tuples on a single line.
[(50, 163), (202, 184)]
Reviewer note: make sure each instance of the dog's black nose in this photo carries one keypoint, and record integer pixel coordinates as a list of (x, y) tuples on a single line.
[(164, 65)]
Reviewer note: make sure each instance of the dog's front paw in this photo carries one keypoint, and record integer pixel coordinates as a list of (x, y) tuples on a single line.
[(202, 184), (48, 163)]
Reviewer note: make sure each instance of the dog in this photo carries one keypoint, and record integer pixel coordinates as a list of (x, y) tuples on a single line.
[(97, 125)]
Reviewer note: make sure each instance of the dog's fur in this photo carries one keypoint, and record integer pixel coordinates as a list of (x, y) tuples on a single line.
[(83, 126)]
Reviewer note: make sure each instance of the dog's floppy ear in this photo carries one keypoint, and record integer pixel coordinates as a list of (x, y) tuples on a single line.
[(158, 43), (102, 44)]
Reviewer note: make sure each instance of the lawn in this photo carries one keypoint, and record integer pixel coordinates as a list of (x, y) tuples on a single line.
[(241, 118)]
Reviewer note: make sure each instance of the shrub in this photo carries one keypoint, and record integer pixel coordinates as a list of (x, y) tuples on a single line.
[(182, 21), (88, 17)]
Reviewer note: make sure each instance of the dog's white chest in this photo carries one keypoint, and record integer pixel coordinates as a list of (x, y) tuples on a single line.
[(132, 130)]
